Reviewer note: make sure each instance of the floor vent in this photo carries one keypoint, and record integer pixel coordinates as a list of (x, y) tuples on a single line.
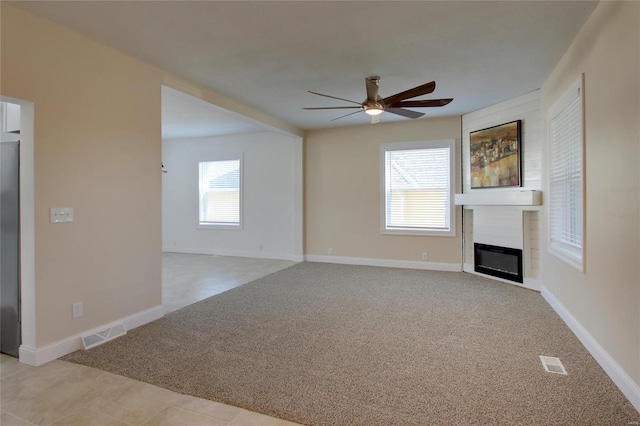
[(103, 336), (552, 365)]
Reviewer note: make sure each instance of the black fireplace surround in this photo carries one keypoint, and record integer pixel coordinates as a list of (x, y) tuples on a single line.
[(501, 262)]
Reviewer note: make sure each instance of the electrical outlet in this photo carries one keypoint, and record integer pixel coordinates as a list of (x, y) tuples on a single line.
[(424, 256), (330, 250), (77, 309)]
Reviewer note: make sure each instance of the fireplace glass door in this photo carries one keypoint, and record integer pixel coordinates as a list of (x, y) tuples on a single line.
[(501, 262)]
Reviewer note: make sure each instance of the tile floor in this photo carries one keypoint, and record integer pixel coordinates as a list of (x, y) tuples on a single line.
[(188, 278), (62, 393)]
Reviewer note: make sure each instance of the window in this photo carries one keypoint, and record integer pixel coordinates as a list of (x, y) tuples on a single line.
[(221, 193), (566, 180), (417, 188)]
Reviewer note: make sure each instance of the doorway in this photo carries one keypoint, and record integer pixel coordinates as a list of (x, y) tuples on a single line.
[(200, 258), (24, 336), (9, 228)]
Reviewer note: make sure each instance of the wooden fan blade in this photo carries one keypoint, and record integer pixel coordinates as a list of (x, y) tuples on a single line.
[(372, 90), (421, 104), (411, 93), (346, 115), (333, 97), (405, 112), (349, 107)]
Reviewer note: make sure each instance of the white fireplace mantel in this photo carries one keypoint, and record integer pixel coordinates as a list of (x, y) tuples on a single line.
[(527, 199)]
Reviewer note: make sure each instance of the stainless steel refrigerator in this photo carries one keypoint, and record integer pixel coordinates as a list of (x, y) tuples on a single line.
[(9, 247)]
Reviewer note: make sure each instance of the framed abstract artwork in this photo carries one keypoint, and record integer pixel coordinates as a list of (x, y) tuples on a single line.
[(495, 156)]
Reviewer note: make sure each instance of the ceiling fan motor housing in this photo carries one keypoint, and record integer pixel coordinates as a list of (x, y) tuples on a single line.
[(373, 105)]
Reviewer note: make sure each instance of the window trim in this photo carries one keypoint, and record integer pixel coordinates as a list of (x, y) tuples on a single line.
[(433, 144), (572, 255), (222, 226)]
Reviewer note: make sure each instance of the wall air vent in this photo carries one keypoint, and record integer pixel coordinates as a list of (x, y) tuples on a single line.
[(95, 339)]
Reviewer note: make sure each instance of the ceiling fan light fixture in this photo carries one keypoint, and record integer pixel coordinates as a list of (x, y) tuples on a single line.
[(373, 109)]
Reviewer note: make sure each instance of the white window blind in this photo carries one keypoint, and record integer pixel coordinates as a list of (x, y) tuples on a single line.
[(220, 193), (417, 188), (566, 180)]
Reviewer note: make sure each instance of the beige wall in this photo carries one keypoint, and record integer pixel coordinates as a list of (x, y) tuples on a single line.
[(342, 192), (96, 149), (605, 299)]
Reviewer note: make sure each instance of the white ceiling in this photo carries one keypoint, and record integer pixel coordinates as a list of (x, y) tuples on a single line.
[(269, 54), (185, 116)]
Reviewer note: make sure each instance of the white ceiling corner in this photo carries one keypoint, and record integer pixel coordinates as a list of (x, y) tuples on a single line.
[(185, 116)]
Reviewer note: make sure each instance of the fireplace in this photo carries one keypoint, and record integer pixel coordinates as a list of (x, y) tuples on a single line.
[(501, 262)]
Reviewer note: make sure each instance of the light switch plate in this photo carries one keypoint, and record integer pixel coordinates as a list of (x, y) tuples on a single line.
[(78, 310), (61, 214)]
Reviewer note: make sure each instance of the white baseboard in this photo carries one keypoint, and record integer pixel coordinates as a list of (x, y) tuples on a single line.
[(407, 264), (625, 383), (43, 354), (236, 253), (468, 267), (136, 320), (46, 353), (529, 283)]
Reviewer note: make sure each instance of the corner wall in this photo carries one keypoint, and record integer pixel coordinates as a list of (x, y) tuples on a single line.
[(602, 305), (513, 226)]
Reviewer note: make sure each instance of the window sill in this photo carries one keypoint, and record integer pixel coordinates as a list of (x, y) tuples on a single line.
[(418, 233), (216, 226), (570, 255)]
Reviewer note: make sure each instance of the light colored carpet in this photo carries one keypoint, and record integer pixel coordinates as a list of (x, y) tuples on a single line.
[(324, 344)]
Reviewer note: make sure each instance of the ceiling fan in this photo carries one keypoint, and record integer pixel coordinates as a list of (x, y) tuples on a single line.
[(374, 105)]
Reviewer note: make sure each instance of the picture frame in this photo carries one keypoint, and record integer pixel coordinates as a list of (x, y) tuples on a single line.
[(495, 159)]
